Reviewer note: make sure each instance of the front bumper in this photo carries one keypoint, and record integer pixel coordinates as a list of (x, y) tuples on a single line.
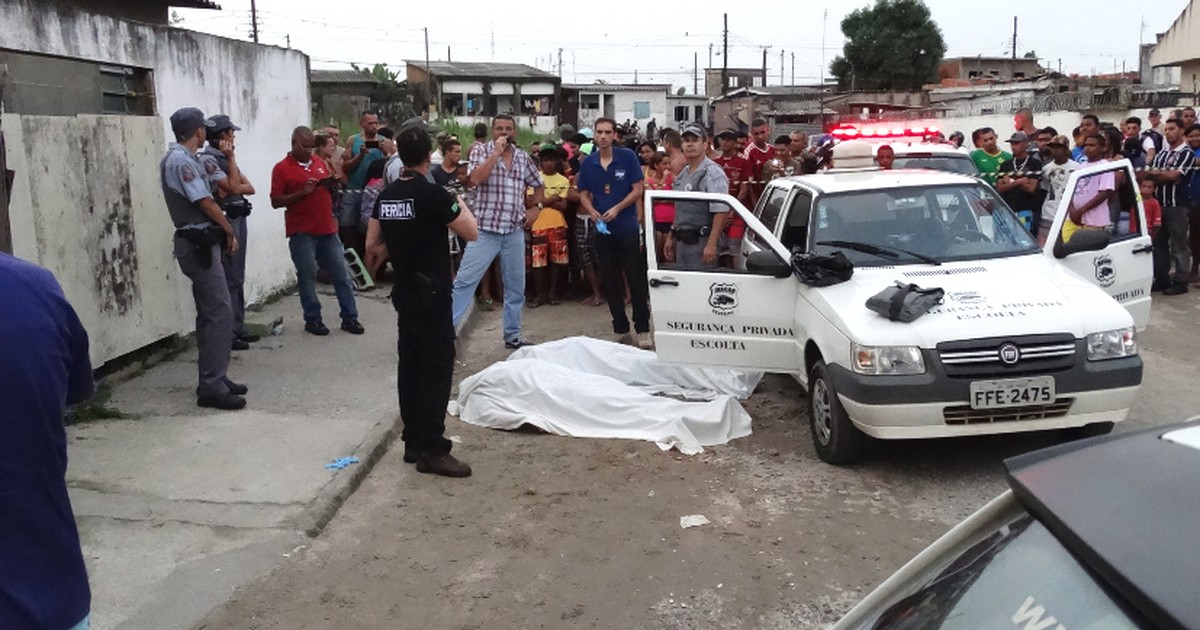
[(899, 407)]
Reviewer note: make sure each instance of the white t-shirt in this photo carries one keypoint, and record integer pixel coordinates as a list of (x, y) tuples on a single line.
[(1054, 179)]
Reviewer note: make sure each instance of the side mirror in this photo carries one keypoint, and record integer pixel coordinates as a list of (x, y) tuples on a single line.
[(767, 263), (1086, 240)]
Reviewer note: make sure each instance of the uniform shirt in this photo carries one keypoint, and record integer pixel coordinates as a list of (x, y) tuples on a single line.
[(500, 199), (215, 165), (708, 177), (44, 366), (609, 186), (1181, 158), (312, 214), (413, 215), (184, 183), (757, 157)]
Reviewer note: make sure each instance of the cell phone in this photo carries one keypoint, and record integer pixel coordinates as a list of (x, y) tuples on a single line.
[(371, 144)]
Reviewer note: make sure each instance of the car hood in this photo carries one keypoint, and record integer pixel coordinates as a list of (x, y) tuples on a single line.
[(1021, 295)]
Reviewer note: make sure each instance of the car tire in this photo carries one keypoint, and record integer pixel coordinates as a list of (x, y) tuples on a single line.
[(834, 436), (1094, 429)]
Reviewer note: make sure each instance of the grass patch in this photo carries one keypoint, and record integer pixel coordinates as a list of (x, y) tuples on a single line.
[(98, 407)]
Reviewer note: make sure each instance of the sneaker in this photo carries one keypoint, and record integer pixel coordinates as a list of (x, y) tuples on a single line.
[(444, 465), (237, 389), (519, 342), (1178, 288), (316, 327), (352, 326), (625, 339), (410, 454), (221, 401), (644, 341), (239, 344), (248, 338)]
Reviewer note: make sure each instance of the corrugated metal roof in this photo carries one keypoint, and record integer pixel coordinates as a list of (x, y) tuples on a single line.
[(338, 76), (474, 69)]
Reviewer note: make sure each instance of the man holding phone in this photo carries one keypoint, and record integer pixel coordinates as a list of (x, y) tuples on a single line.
[(361, 149), (500, 173), (301, 184)]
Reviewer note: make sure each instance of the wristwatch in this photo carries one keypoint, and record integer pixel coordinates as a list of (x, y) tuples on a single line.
[(539, 206)]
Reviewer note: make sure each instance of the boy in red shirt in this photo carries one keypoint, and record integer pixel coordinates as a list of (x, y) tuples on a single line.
[(1153, 209), (301, 184)]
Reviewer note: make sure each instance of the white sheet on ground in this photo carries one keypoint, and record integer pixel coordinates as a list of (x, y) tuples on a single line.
[(642, 369), (589, 388)]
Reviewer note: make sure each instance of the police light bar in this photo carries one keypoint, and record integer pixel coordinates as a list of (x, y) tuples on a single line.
[(854, 132)]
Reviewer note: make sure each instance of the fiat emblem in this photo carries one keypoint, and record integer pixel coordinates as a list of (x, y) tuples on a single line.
[(1010, 354)]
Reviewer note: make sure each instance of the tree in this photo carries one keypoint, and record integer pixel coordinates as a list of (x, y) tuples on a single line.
[(390, 96), (894, 45)]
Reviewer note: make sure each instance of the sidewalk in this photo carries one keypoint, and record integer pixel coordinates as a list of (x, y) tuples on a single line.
[(178, 505)]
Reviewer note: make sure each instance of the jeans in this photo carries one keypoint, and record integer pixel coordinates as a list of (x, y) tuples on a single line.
[(309, 249), (475, 262), (621, 255)]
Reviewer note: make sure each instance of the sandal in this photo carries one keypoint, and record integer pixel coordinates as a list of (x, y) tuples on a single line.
[(485, 304)]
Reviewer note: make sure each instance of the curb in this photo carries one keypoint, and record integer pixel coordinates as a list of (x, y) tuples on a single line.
[(321, 510)]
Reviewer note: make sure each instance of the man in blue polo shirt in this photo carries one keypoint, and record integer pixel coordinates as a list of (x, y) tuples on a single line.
[(44, 366), (610, 184)]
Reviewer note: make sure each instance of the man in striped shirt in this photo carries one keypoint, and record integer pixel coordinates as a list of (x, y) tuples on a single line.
[(499, 173), (1171, 170)]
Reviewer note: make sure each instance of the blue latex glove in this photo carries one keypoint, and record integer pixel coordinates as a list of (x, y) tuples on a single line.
[(602, 227), (341, 463)]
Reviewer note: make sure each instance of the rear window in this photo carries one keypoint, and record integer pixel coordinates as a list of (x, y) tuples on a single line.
[(960, 164), (1019, 576)]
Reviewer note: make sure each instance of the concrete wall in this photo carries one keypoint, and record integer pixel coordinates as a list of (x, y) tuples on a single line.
[(264, 89), (1063, 121)]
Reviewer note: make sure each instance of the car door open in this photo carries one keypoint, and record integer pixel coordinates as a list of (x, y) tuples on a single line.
[(1118, 259), (725, 317)]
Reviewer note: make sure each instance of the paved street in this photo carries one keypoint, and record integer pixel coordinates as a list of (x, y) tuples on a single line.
[(555, 531)]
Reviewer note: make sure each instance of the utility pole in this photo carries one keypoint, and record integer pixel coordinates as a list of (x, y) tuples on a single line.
[(709, 56), (448, 54), (288, 37), (764, 72), (428, 71), (254, 21), (824, 23), (560, 63), (780, 66), (696, 71), (793, 68), (725, 57), (1014, 43)]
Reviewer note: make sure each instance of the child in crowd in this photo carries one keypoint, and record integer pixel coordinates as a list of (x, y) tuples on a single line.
[(546, 240), (658, 177), (1151, 205)]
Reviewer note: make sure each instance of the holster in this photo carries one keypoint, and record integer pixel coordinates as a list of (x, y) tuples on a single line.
[(237, 208), (202, 241), (691, 236)]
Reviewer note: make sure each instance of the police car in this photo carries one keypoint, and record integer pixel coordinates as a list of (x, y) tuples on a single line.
[(1026, 338), (1097, 534), (911, 147)]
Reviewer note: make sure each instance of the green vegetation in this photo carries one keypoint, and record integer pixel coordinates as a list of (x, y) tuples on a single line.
[(466, 134), (95, 408), (894, 45)]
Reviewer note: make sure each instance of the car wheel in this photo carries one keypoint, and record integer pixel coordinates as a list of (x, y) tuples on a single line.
[(834, 436), (1089, 430)]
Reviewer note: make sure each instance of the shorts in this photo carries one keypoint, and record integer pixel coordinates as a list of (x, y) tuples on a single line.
[(543, 247), (585, 241), (663, 227), (729, 246)]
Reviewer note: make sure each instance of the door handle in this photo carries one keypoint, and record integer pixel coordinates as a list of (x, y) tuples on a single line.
[(1145, 249), (655, 282)]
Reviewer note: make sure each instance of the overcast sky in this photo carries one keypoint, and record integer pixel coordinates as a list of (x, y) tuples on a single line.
[(658, 40)]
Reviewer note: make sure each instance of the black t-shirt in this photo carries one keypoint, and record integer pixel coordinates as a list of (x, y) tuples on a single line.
[(1016, 198), (413, 215), (441, 176)]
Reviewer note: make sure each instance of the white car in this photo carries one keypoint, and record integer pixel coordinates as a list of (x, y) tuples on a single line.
[(1023, 341), (937, 157)]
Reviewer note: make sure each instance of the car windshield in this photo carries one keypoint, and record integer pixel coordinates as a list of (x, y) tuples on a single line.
[(1019, 576), (960, 164), (962, 221)]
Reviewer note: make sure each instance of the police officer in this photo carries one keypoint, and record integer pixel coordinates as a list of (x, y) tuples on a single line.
[(201, 231), (229, 188), (410, 221)]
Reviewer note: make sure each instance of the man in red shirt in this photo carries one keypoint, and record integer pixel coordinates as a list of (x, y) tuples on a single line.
[(301, 184), (759, 151), (738, 170)]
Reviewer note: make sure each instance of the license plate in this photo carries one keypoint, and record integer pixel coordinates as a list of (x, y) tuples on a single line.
[(1013, 392)]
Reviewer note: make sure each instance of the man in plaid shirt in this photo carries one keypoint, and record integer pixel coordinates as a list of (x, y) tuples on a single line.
[(499, 173)]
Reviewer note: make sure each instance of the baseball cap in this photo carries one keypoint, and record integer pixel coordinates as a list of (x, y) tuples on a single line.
[(187, 120), (550, 149), (726, 134), (587, 148), (695, 129), (579, 139), (1018, 136), (1059, 140), (586, 132), (1155, 112), (220, 122)]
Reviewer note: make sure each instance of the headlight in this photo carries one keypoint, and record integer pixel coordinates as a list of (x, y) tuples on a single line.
[(1111, 344), (887, 360)]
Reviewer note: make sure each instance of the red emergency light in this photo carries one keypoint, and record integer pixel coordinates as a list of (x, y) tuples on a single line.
[(854, 132)]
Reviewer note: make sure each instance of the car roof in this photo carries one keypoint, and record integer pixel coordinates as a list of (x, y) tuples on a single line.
[(1128, 508), (875, 179), (946, 150)]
